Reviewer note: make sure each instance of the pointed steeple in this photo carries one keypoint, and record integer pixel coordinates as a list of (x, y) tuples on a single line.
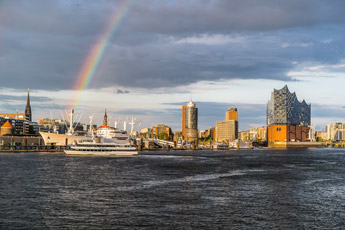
[(105, 120), (28, 115)]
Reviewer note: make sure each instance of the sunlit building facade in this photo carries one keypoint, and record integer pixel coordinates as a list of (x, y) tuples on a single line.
[(227, 130), (190, 122), (336, 131), (288, 120)]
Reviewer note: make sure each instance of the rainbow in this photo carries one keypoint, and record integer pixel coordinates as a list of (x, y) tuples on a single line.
[(97, 51)]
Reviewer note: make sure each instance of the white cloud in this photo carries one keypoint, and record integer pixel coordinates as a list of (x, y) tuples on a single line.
[(297, 44), (327, 67), (206, 39), (327, 41)]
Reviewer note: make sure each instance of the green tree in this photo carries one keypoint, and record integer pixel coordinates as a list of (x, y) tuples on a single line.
[(164, 136)]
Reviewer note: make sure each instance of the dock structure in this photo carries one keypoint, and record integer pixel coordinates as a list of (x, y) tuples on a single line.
[(290, 144)]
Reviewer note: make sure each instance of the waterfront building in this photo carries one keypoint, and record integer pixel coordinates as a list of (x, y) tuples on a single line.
[(208, 134), (262, 133), (53, 125), (28, 115), (228, 130), (288, 120), (6, 129), (20, 127), (162, 131), (190, 122), (255, 134), (288, 133), (34, 128), (284, 108), (146, 132), (321, 135), (21, 140), (17, 116), (244, 135), (336, 131)]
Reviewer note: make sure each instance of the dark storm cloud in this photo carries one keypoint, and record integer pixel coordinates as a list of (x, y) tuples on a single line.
[(214, 16), (165, 43)]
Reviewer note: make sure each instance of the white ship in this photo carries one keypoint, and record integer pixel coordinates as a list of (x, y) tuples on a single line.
[(62, 139), (106, 140), (101, 147)]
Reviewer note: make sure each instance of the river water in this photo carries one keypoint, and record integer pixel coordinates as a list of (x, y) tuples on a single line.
[(246, 189)]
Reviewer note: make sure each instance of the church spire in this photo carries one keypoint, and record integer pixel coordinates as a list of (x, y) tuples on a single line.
[(105, 121), (28, 115)]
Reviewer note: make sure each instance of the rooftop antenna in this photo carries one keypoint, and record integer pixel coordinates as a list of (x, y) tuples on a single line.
[(132, 125)]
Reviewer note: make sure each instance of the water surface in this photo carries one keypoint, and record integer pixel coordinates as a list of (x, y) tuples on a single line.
[(247, 189)]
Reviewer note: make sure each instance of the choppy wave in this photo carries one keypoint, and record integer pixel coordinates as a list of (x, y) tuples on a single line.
[(187, 179)]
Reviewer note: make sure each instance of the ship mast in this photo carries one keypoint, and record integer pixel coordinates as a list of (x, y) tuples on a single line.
[(91, 127), (71, 130)]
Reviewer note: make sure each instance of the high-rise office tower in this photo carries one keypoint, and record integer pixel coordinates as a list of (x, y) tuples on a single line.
[(190, 122), (231, 114), (228, 130)]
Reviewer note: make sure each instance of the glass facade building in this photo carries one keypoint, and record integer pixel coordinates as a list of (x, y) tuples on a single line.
[(190, 122), (284, 108)]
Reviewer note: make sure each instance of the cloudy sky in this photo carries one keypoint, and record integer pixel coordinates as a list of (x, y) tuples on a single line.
[(221, 53)]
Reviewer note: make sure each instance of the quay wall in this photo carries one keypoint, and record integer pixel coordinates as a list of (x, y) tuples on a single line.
[(284, 144)]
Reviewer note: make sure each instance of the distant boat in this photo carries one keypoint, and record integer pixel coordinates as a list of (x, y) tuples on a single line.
[(101, 147)]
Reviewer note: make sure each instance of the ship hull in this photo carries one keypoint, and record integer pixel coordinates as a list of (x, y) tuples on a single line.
[(59, 139), (99, 153)]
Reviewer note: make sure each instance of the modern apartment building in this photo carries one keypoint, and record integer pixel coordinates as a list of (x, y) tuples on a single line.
[(208, 133), (161, 128), (336, 131)]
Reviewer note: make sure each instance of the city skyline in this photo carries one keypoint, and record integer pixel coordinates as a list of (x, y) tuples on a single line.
[(227, 58)]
